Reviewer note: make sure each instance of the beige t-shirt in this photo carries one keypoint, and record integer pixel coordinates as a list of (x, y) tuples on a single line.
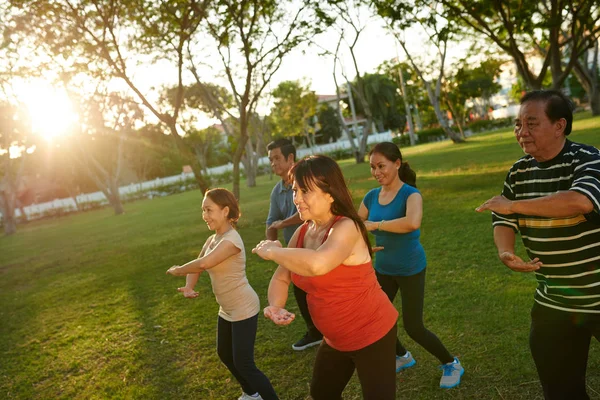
[(234, 294)]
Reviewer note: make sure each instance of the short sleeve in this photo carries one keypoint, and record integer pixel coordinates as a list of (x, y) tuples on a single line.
[(509, 220), (234, 237), (367, 199), (586, 180), (274, 211)]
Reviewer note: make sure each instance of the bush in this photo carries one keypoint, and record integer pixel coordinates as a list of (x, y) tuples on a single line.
[(483, 125), (402, 141), (340, 154), (431, 135)]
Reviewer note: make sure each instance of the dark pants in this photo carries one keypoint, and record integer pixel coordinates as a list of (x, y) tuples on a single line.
[(235, 346), (374, 364), (300, 296), (412, 292), (560, 343)]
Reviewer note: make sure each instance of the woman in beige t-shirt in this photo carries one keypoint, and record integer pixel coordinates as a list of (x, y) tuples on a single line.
[(224, 258)]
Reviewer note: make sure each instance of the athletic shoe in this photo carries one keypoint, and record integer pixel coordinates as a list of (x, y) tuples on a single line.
[(306, 342), (246, 396), (451, 374), (405, 361)]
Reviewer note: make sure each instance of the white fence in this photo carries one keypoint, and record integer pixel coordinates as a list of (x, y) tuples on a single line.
[(68, 204)]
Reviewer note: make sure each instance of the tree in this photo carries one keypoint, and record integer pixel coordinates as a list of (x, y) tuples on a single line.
[(293, 108), (108, 38), (472, 83), (439, 32), (252, 38), (383, 97), (329, 123), (588, 75), (348, 16), (107, 120), (560, 31), (15, 141)]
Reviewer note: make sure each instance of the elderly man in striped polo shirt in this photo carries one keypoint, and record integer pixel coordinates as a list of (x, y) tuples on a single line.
[(552, 197)]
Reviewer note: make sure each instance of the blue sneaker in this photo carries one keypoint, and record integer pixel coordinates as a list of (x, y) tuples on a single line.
[(451, 374), (405, 361)]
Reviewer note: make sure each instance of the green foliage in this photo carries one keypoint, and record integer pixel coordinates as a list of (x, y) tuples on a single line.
[(483, 125), (329, 123), (294, 106)]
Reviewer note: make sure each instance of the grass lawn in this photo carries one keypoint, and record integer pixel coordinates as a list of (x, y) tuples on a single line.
[(87, 312)]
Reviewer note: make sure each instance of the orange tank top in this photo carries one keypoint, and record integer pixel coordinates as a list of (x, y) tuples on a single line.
[(347, 304)]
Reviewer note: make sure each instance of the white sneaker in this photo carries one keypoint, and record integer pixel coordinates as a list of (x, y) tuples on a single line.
[(405, 361), (246, 396), (451, 375)]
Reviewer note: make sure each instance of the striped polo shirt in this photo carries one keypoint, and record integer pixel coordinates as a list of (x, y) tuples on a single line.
[(569, 248)]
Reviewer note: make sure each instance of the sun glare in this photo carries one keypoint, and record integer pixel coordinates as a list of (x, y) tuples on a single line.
[(50, 110)]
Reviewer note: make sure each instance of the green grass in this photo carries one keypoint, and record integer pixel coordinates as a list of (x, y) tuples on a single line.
[(87, 312)]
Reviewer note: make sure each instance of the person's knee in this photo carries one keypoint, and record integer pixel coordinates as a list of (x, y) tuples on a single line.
[(415, 331), (225, 356), (244, 364)]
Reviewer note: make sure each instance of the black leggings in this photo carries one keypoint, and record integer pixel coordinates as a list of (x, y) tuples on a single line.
[(235, 346), (560, 343), (412, 292), (375, 366), (312, 330)]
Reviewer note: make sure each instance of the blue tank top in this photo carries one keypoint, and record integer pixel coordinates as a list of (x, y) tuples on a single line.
[(403, 254)]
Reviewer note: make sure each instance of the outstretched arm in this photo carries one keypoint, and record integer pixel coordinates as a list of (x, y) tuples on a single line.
[(558, 205), (308, 262), (222, 252), (293, 220)]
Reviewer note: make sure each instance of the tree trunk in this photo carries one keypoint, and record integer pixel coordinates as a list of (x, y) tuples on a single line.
[(7, 207), (588, 77), (411, 127), (114, 198), (250, 164), (435, 102), (418, 121), (595, 102)]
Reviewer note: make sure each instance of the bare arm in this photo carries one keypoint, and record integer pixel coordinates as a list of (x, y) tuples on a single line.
[(558, 205), (222, 252), (192, 279), (363, 211), (293, 220), (504, 238), (271, 233), (278, 287), (308, 262), (409, 223)]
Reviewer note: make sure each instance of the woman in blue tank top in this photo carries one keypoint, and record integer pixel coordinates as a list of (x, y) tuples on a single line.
[(393, 212)]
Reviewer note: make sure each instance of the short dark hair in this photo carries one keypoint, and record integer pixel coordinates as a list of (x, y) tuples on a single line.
[(286, 146), (557, 105)]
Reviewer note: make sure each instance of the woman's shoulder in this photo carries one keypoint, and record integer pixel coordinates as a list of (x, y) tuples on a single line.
[(372, 193), (234, 236), (408, 190)]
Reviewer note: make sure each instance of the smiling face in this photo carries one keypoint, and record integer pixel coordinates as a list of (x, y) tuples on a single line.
[(280, 164), (384, 170), (214, 216), (312, 203), (536, 134)]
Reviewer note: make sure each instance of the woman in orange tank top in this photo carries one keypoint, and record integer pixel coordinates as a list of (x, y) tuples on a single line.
[(329, 257)]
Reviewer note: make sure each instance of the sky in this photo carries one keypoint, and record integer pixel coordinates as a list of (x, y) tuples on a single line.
[(305, 63)]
